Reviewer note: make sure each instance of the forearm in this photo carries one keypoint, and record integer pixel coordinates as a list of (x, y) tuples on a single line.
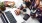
[(37, 2)]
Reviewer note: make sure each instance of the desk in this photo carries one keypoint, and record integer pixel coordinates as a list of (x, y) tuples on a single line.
[(19, 18)]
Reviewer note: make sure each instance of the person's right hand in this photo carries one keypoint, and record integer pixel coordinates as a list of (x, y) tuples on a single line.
[(17, 11)]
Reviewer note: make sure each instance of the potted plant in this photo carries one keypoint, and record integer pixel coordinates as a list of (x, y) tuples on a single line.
[(2, 7)]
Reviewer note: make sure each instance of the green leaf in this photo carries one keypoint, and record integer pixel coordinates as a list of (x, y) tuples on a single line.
[(1, 5)]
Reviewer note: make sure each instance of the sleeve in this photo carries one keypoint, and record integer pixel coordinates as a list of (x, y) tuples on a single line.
[(20, 7)]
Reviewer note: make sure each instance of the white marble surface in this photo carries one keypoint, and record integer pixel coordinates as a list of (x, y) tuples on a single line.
[(31, 20), (1, 20), (19, 18)]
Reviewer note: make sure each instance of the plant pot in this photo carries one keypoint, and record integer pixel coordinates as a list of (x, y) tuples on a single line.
[(2, 9)]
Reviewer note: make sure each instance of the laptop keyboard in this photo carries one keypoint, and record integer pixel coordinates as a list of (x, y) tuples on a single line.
[(10, 17)]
